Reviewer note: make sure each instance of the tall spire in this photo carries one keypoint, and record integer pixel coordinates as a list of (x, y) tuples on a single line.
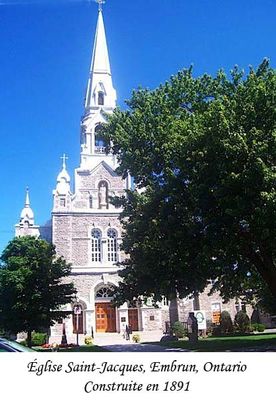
[(100, 80)]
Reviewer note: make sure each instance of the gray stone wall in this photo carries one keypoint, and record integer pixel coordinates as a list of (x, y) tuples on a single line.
[(72, 234), (62, 235), (151, 319)]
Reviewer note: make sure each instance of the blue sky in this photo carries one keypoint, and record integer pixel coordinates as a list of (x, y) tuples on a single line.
[(45, 51)]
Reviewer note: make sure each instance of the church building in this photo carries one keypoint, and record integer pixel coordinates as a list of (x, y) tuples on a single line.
[(85, 226)]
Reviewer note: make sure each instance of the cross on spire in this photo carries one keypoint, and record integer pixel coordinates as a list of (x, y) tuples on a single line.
[(64, 158), (100, 2)]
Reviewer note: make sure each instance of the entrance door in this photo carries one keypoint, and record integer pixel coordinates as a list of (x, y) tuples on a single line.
[(133, 319), (105, 318)]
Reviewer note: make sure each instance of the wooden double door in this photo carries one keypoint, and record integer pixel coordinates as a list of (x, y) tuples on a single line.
[(105, 317)]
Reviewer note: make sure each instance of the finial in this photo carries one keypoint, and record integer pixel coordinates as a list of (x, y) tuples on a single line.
[(64, 158), (27, 201), (100, 2)]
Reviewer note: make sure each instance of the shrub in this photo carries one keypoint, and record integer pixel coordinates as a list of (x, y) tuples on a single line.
[(179, 330), (38, 338), (88, 340), (209, 326), (136, 338), (216, 330), (226, 324), (242, 322), (255, 326), (258, 327), (261, 327)]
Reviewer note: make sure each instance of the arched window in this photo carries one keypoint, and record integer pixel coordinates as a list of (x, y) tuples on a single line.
[(112, 251), (96, 237), (100, 98), (100, 142), (103, 194), (105, 292)]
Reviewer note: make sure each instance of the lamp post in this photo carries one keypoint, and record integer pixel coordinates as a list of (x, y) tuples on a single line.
[(77, 312)]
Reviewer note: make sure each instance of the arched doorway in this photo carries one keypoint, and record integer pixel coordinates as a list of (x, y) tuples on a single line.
[(104, 310)]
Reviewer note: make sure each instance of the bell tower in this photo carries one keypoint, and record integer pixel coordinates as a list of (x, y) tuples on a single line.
[(100, 99)]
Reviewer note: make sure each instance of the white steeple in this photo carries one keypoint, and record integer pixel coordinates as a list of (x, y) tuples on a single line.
[(100, 91), (100, 99), (26, 225)]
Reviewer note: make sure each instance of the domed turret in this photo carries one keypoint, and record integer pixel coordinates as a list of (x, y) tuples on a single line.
[(63, 178), (62, 192), (27, 214)]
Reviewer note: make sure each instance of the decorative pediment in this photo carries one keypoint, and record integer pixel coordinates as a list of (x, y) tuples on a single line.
[(89, 179), (99, 87)]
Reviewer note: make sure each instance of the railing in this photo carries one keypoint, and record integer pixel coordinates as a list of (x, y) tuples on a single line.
[(100, 149)]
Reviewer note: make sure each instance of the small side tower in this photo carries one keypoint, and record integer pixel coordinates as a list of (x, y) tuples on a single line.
[(62, 193), (26, 225)]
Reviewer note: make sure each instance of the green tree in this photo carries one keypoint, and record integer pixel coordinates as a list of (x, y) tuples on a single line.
[(32, 286), (202, 152)]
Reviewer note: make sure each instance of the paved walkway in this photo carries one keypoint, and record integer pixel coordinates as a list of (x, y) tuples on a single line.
[(106, 339), (141, 347), (116, 342)]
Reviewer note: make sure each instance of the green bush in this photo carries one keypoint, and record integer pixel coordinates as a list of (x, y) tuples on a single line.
[(261, 327), (226, 324), (216, 330), (242, 322), (258, 327), (38, 338), (254, 326), (179, 330)]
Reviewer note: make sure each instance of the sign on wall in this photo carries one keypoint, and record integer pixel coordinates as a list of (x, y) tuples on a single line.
[(201, 319)]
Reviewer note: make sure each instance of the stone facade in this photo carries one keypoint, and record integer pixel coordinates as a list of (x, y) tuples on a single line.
[(85, 224)]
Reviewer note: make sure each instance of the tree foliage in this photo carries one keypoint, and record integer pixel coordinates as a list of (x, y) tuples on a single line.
[(202, 152), (32, 289)]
